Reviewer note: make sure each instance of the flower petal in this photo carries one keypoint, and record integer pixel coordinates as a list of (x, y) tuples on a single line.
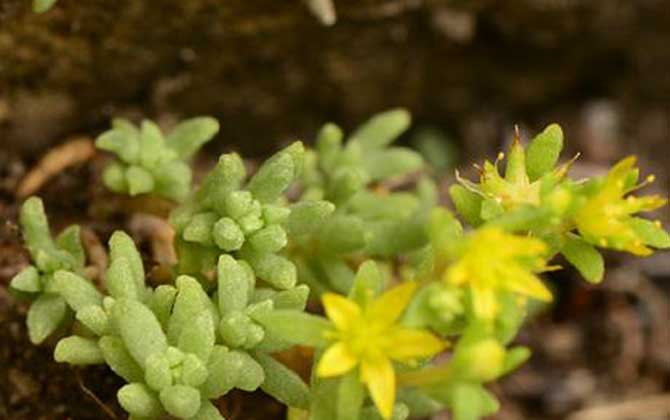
[(408, 344), (379, 376), (483, 301), (342, 311), (336, 360), (523, 282), (389, 306)]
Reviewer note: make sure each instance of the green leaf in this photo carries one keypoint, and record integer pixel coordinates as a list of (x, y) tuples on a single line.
[(307, 216), (120, 281), (368, 283), (122, 245), (173, 180), (190, 135), (235, 281), (158, 374), (543, 151), (274, 269), (251, 373), (270, 239), (207, 412), (151, 144), (329, 146), (345, 183), (119, 359), (191, 301), (138, 400), (224, 178), (199, 337), (140, 181), (45, 315), (651, 233), (41, 6), (94, 318), (161, 302), (393, 162), (282, 323), (35, 227), (342, 234), (69, 240), (273, 177), (295, 298), (396, 237), (114, 178), (468, 204), (228, 235), (282, 383), (193, 370), (27, 280), (350, 397), (586, 258), (77, 291), (201, 227), (382, 129), (491, 209), (139, 329), (78, 351), (224, 368), (515, 358), (121, 142)]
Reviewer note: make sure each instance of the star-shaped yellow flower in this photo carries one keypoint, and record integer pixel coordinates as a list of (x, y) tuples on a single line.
[(493, 260), (607, 217), (370, 338)]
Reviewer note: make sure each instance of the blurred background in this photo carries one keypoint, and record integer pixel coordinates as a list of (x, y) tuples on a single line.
[(270, 71)]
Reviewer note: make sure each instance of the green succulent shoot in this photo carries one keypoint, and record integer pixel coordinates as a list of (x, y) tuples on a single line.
[(176, 346), (148, 162), (250, 220), (530, 174), (397, 274), (369, 219), (51, 260)]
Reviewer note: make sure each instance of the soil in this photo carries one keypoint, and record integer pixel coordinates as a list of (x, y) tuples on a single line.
[(270, 72)]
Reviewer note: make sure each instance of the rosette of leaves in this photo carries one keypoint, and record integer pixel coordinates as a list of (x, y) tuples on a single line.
[(149, 162), (369, 218), (51, 258), (573, 218), (163, 342), (250, 220)]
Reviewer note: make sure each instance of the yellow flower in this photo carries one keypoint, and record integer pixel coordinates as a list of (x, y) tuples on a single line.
[(606, 219), (493, 260), (370, 338)]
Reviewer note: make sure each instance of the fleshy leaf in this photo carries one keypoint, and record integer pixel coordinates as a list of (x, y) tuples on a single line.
[(45, 316), (543, 151), (382, 129), (139, 329), (138, 400), (190, 135), (283, 324), (586, 258), (78, 351), (282, 383)]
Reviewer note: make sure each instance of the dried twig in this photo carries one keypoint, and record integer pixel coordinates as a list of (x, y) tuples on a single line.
[(655, 405), (95, 398), (96, 252), (56, 160), (159, 232)]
